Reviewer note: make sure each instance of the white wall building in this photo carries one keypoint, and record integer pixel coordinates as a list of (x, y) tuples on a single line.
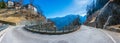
[(10, 4)]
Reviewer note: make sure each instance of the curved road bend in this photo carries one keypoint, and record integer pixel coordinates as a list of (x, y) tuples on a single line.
[(83, 35)]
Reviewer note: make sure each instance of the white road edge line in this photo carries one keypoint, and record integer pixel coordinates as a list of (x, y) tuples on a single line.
[(4, 32), (109, 36), (2, 36)]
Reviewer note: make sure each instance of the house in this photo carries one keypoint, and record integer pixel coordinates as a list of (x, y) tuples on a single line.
[(32, 8), (10, 4)]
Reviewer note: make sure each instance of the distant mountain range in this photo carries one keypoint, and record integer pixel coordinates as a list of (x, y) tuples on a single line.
[(60, 22)]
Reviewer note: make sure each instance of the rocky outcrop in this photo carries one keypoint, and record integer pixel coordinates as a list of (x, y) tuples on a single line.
[(95, 5), (111, 10), (100, 18)]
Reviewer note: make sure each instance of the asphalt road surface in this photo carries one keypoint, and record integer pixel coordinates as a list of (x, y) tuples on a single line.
[(84, 35)]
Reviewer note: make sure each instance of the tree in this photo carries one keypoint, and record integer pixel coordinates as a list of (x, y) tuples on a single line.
[(2, 4)]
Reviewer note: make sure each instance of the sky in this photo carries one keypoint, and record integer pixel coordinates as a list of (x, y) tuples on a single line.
[(60, 8)]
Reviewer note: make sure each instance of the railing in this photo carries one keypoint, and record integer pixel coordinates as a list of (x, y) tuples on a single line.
[(52, 31), (4, 26)]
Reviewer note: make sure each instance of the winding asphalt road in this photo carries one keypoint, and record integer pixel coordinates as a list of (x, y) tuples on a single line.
[(85, 34)]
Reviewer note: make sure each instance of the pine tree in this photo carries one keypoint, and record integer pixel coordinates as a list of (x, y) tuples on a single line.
[(2, 4)]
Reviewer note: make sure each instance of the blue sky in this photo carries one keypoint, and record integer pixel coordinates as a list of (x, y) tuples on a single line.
[(60, 8)]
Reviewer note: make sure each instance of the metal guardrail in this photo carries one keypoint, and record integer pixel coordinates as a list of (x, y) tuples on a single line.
[(53, 31), (3, 27)]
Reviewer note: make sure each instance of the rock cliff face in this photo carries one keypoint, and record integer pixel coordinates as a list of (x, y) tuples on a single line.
[(95, 5), (112, 9)]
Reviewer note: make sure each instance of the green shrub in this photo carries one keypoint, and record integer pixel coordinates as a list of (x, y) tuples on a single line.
[(2, 4)]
